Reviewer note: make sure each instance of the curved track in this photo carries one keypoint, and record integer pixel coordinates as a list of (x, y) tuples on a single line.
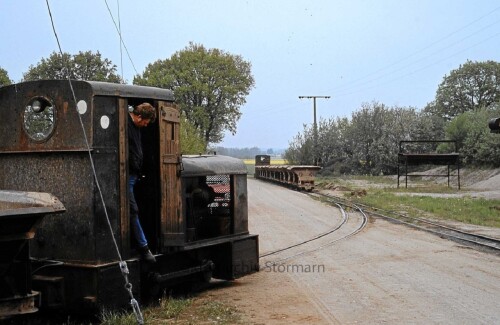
[(329, 237), (345, 218), (475, 240), (388, 273)]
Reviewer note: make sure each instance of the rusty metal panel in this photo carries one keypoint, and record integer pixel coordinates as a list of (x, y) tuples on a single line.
[(434, 159), (245, 256), (20, 212), (110, 289), (60, 163), (106, 168), (240, 204), (67, 176), (67, 134), (19, 305), (106, 161)]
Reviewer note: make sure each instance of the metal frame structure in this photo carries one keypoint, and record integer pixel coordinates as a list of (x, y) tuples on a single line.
[(419, 158)]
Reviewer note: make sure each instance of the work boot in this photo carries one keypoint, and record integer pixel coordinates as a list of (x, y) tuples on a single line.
[(146, 255)]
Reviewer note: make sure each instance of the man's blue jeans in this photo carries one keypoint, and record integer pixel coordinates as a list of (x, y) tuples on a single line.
[(135, 224)]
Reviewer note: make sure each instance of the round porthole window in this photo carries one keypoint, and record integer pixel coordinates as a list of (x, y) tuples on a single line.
[(39, 119)]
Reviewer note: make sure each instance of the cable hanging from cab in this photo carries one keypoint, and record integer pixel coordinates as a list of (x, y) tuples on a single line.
[(122, 264)]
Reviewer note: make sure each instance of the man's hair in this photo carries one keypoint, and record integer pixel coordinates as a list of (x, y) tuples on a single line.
[(146, 111)]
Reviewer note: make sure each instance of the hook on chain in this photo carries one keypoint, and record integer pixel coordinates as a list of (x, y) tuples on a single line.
[(137, 311)]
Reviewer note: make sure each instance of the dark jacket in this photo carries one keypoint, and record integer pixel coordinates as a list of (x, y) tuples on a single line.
[(135, 155)]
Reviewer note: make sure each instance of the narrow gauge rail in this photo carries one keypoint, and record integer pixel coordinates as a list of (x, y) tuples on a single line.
[(482, 242), (300, 177), (345, 219)]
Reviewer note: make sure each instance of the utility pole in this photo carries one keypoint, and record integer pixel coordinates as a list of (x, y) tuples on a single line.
[(315, 127)]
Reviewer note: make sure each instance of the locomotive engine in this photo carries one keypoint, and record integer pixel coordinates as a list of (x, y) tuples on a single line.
[(193, 209)]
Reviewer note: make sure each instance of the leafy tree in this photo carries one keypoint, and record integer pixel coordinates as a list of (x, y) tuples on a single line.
[(326, 136), (210, 86), (477, 146), (4, 78), (300, 150), (428, 127), (83, 66), (472, 86), (191, 142), (368, 143), (367, 133)]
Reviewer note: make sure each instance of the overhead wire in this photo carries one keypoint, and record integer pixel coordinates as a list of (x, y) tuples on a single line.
[(121, 38), (363, 83), (121, 48), (440, 40), (122, 264), (421, 68)]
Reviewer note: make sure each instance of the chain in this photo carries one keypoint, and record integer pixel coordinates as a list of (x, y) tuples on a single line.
[(128, 286)]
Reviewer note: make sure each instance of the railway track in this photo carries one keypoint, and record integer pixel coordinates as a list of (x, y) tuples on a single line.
[(329, 237), (347, 208), (481, 242)]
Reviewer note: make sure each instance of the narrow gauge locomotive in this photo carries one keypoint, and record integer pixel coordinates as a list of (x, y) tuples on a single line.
[(299, 177), (193, 209)]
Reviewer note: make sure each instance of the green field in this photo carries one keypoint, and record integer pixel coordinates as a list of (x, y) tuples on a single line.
[(417, 201)]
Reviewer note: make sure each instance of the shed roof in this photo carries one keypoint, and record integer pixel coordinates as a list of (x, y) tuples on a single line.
[(121, 90), (205, 165), (100, 88)]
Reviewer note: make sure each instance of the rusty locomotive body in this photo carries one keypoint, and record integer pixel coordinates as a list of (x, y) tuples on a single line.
[(193, 209), (299, 177)]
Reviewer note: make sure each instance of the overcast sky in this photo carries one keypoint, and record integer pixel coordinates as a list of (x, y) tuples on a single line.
[(395, 52)]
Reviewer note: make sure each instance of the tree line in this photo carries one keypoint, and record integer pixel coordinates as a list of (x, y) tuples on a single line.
[(209, 85), (368, 141)]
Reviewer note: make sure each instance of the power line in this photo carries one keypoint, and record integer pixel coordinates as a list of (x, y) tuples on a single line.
[(315, 135), (121, 50), (357, 82), (421, 68), (121, 38)]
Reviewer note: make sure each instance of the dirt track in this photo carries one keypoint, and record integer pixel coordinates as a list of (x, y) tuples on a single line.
[(387, 274)]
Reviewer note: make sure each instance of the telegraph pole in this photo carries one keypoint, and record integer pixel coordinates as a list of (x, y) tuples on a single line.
[(315, 126)]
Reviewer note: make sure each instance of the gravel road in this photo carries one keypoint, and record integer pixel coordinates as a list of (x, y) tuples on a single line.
[(386, 274)]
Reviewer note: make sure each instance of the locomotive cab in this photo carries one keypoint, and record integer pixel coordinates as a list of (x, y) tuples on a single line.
[(215, 197), (193, 210)]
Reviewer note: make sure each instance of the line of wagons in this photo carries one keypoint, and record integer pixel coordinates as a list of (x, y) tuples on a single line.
[(300, 177)]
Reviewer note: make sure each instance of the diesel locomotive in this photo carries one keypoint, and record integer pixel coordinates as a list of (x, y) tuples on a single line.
[(64, 167)]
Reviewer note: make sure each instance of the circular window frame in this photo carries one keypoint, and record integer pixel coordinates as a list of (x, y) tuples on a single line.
[(44, 104)]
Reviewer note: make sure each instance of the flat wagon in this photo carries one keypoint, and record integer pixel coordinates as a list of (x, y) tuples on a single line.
[(300, 177)]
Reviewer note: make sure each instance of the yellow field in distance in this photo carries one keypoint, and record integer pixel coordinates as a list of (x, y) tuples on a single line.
[(274, 161)]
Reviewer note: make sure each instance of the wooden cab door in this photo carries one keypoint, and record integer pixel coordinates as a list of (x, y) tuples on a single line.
[(172, 223)]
